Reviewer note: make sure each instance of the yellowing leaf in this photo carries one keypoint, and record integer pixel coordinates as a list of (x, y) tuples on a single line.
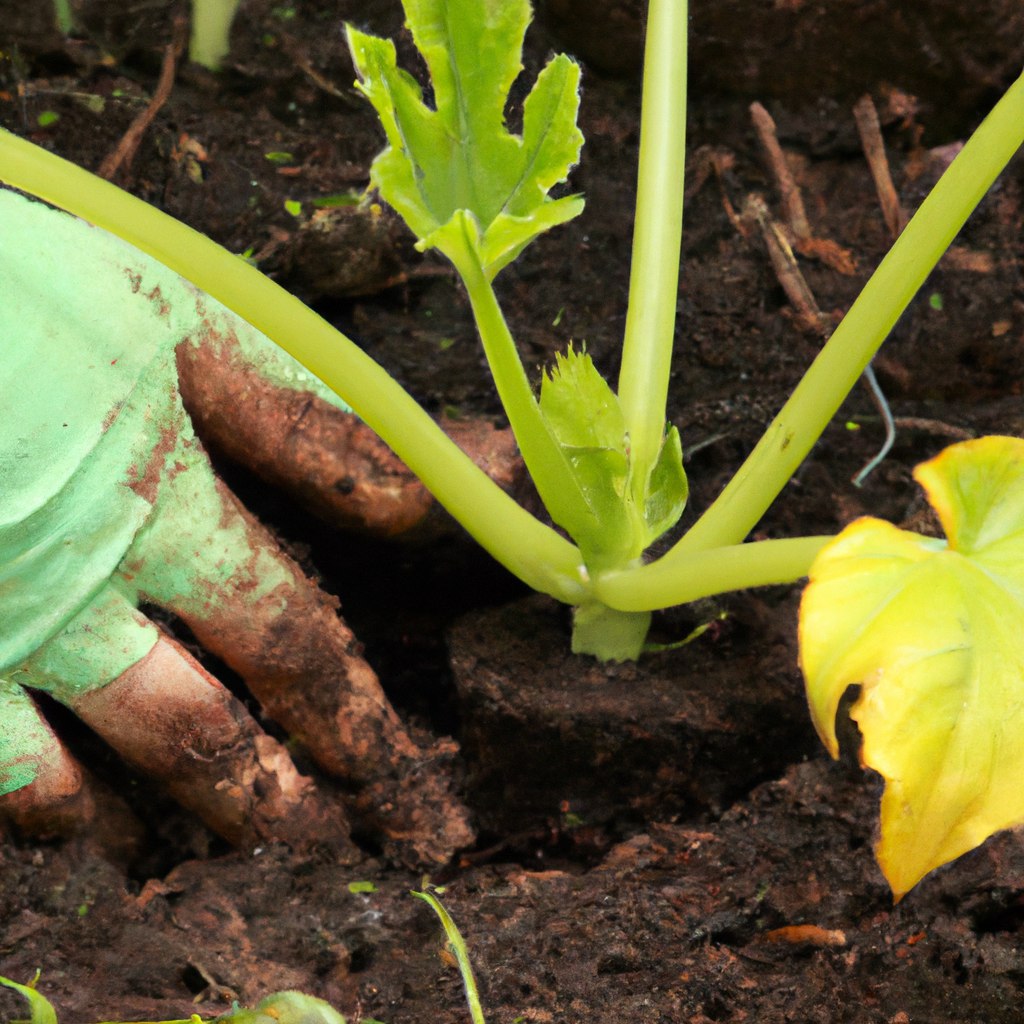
[(933, 634)]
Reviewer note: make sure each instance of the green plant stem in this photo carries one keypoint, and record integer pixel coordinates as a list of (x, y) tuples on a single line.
[(706, 573), (544, 457), (211, 31), (835, 371), (528, 548), (657, 232), (458, 946), (64, 17)]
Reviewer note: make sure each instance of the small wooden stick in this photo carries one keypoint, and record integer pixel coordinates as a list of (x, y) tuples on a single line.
[(792, 200), (866, 115), (784, 263), (799, 293), (121, 157), (935, 427)]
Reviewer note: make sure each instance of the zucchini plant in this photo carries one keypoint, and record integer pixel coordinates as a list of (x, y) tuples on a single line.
[(607, 465)]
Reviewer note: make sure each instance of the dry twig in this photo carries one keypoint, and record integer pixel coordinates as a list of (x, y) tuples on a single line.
[(866, 115), (792, 200), (784, 263), (119, 159)]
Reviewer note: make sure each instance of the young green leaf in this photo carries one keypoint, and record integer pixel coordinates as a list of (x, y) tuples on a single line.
[(285, 1008), (931, 632), (40, 1007), (667, 489), (459, 156), (584, 415)]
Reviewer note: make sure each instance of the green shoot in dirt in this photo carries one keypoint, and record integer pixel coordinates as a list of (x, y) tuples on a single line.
[(287, 1007), (610, 473), (277, 1008), (63, 16), (457, 946), (607, 466)]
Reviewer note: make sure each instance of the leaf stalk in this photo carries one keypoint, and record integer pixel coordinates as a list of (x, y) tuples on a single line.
[(835, 371), (657, 238), (529, 549)]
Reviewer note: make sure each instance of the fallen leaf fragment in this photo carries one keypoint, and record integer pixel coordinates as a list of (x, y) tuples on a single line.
[(806, 935)]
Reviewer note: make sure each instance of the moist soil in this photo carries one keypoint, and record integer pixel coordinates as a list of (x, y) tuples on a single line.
[(665, 840)]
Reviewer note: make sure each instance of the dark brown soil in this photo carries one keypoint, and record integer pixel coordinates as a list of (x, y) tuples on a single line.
[(662, 841)]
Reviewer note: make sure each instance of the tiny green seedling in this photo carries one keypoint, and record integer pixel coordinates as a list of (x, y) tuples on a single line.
[(277, 1008), (606, 464), (289, 1007), (457, 946), (362, 887)]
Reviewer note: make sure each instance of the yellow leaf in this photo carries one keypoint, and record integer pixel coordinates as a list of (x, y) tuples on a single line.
[(933, 634)]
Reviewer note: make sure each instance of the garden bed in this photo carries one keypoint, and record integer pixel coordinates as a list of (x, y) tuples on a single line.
[(663, 841)]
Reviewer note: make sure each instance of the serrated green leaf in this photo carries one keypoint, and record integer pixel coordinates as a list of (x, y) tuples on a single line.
[(507, 236), (581, 408), (551, 141), (460, 156), (586, 419), (668, 487), (932, 633), (584, 416)]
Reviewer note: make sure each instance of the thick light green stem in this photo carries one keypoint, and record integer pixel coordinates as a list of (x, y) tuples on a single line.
[(700, 574), (609, 634), (534, 552), (654, 276), (211, 31), (840, 363), (549, 468)]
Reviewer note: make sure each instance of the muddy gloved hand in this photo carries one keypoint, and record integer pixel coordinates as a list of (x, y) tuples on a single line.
[(108, 502)]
